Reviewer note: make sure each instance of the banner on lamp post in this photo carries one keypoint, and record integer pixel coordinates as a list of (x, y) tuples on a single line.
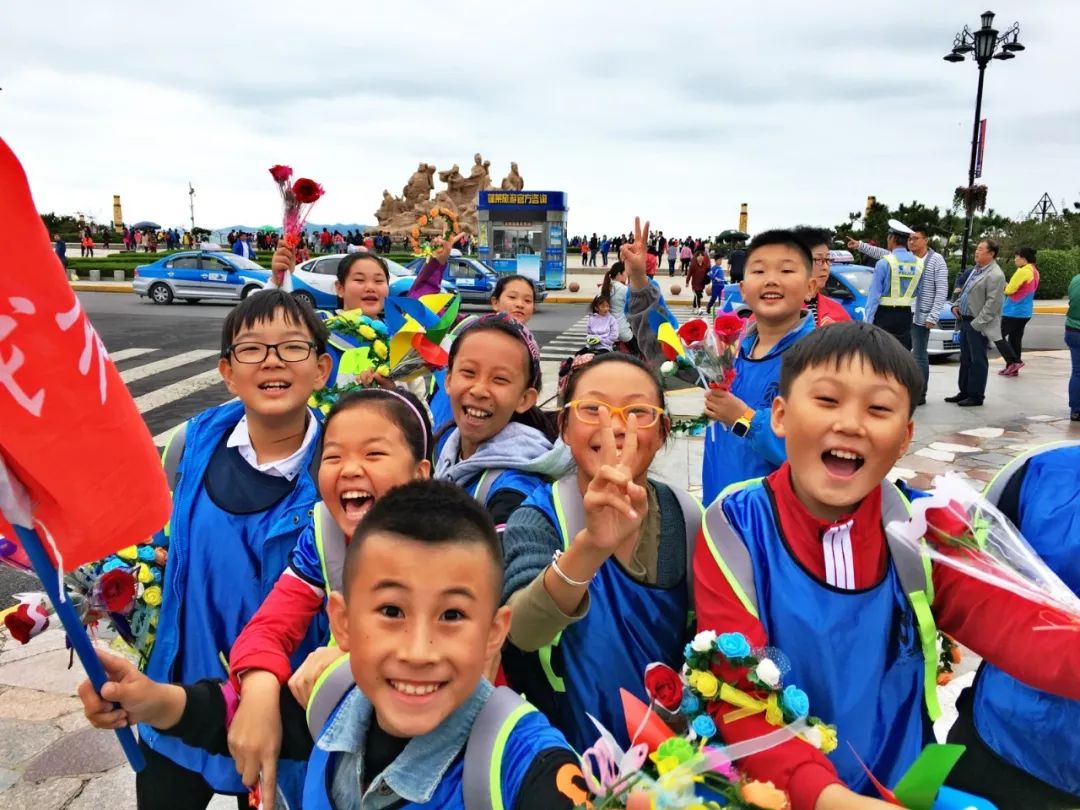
[(982, 148)]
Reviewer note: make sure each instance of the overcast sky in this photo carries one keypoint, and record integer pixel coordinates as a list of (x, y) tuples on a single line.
[(677, 111)]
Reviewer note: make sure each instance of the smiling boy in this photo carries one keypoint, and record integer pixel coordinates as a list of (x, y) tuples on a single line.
[(402, 720), (800, 560), (778, 279), (242, 493)]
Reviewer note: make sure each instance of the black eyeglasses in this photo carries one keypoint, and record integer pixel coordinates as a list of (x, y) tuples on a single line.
[(291, 351)]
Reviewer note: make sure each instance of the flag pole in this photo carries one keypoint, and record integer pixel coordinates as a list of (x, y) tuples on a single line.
[(80, 641)]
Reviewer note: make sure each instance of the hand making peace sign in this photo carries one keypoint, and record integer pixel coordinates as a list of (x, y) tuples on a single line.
[(615, 506), (633, 254)]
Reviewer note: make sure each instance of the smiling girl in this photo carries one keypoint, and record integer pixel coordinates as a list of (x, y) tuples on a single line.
[(500, 446), (597, 563), (373, 440)]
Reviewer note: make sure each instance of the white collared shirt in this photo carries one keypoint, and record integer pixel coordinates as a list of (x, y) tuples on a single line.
[(287, 468)]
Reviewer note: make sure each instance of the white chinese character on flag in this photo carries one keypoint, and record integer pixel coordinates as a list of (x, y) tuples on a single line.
[(9, 366)]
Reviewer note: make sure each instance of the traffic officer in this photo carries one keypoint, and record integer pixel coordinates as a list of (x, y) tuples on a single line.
[(896, 281)]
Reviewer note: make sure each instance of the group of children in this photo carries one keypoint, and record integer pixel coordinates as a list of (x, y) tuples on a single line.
[(333, 619)]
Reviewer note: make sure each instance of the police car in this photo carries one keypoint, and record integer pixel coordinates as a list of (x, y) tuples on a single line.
[(193, 275), (472, 279), (314, 280)]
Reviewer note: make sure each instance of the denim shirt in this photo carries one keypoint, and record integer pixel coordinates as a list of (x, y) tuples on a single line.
[(416, 772)]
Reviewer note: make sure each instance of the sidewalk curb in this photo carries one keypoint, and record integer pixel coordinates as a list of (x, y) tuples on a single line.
[(93, 286), (1051, 309)]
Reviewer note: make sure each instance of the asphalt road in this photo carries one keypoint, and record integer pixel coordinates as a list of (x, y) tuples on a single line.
[(168, 356)]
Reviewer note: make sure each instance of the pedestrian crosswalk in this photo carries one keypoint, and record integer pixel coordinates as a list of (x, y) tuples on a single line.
[(572, 339), (170, 387)]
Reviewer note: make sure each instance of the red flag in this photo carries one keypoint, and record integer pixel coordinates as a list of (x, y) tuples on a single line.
[(69, 430)]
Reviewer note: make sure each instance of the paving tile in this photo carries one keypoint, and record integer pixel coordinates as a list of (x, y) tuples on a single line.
[(47, 672), (936, 455), (902, 473), (88, 751), (72, 722), (51, 795), (961, 439), (993, 459), (983, 432), (7, 779), (24, 740), (52, 639), (1043, 418), (115, 788), (18, 703), (951, 447), (982, 475)]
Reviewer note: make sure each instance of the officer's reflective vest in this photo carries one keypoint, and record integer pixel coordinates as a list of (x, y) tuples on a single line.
[(904, 279)]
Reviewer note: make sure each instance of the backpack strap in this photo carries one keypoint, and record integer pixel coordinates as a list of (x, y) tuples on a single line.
[(913, 571), (482, 778), (1000, 482), (331, 544), (692, 515), (569, 508), (729, 551), (174, 451), (487, 483), (330, 687)]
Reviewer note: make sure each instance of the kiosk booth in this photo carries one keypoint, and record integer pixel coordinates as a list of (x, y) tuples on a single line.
[(524, 232)]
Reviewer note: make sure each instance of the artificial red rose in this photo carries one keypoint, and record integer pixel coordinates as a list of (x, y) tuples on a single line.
[(117, 590), (307, 190), (948, 523), (281, 174), (26, 621), (728, 327), (729, 377), (693, 332), (664, 686)]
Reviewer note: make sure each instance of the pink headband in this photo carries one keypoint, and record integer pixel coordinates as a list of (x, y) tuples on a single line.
[(416, 413)]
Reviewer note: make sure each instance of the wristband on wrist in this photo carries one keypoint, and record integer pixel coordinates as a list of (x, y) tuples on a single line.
[(573, 583), (741, 426)]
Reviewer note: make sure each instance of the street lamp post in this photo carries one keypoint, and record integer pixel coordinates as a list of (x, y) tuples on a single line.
[(984, 45)]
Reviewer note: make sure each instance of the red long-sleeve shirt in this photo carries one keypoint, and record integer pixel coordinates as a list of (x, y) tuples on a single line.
[(994, 623)]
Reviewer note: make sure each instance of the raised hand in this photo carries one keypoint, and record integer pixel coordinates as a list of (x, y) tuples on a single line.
[(852, 243), (615, 506), (442, 252), (284, 261), (633, 254)]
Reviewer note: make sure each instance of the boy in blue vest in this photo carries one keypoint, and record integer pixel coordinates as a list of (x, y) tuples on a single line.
[(778, 278), (406, 719), (1005, 761), (242, 493), (800, 560)]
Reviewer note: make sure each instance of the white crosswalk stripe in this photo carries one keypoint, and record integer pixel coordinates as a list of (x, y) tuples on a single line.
[(127, 354), (171, 393), (176, 360)]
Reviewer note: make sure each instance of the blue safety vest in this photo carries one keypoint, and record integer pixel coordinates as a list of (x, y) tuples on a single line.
[(208, 560), (507, 736), (628, 626), (1035, 731), (866, 658), (730, 458)]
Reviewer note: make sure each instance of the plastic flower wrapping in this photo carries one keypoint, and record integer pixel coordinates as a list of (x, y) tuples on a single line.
[(298, 197), (120, 596), (404, 346), (957, 527), (710, 350), (673, 760)]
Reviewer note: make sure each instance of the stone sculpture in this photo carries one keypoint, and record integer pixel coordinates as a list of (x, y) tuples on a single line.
[(513, 181)]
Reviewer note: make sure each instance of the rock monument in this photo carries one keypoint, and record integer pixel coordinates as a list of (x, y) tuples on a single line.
[(397, 215), (513, 181)]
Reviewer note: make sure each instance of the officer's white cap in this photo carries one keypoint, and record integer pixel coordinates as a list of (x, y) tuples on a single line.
[(896, 226)]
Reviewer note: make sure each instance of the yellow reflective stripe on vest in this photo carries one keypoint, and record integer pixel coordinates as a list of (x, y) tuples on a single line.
[(560, 515), (495, 772), (924, 621), (899, 271), (718, 558)]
